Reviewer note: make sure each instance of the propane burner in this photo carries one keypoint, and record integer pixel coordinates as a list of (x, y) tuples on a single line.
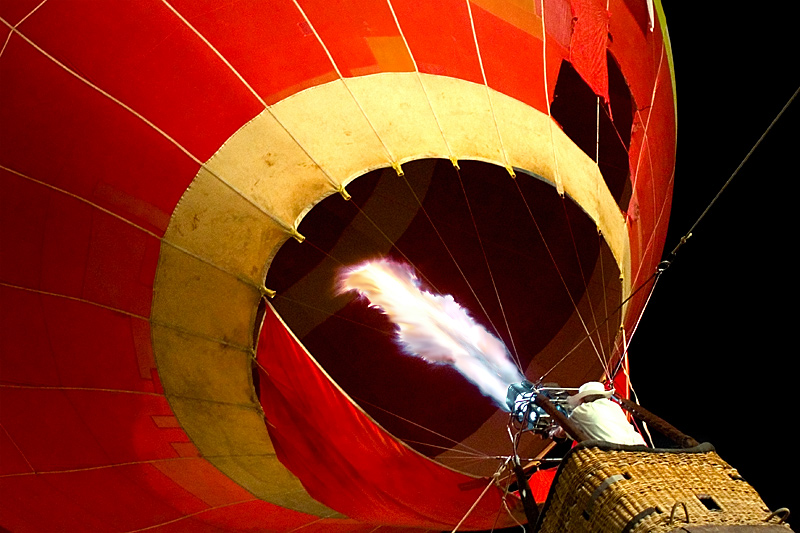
[(521, 402)]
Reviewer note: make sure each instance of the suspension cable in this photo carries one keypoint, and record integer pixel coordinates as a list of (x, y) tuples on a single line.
[(688, 234), (666, 263)]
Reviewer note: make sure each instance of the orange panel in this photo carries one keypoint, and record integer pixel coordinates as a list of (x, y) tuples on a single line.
[(268, 43), (440, 37), (351, 31)]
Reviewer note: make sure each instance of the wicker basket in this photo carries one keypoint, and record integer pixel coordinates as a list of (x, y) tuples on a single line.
[(603, 488)]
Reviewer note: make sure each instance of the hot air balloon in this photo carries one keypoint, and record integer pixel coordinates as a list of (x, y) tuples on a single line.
[(182, 180)]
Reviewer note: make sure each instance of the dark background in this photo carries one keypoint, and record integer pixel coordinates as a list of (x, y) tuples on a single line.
[(715, 351)]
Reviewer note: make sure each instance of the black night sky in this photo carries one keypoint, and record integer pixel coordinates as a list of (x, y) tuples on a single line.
[(715, 350)]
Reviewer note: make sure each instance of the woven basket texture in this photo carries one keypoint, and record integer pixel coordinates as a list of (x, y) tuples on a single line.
[(602, 491)]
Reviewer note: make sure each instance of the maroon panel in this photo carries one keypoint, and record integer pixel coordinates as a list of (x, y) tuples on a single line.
[(256, 516), (13, 461), (145, 56), (120, 266), (56, 243), (23, 214), (29, 504), (114, 498), (5, 34), (112, 361), (126, 425), (134, 496), (36, 419), (84, 142), (351, 526), (27, 355), (150, 478), (14, 12), (93, 428), (65, 239), (268, 43), (441, 44), (52, 341), (186, 524)]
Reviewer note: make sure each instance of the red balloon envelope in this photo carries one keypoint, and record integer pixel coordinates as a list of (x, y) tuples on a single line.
[(182, 181)]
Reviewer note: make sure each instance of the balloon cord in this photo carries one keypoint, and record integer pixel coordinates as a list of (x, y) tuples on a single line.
[(475, 504), (733, 175), (513, 350), (666, 263)]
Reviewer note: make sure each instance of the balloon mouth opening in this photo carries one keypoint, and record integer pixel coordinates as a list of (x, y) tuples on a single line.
[(514, 252)]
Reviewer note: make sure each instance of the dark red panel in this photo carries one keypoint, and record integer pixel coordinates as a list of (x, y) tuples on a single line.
[(5, 33), (36, 419), (440, 37), (23, 215), (27, 354), (65, 240), (29, 504), (92, 427), (347, 462), (14, 12), (203, 480), (13, 461), (114, 498), (256, 515), (268, 43), (351, 526), (51, 341), (85, 143), (56, 243), (120, 266), (152, 479), (123, 424), (145, 56), (83, 359), (136, 496), (186, 524)]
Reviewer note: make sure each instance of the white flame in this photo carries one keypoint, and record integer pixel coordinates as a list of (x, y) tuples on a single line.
[(434, 327)]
